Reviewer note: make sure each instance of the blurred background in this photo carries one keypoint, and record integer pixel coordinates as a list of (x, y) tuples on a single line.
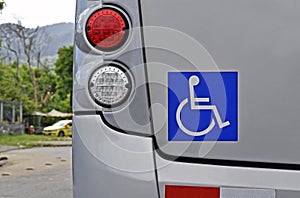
[(36, 59)]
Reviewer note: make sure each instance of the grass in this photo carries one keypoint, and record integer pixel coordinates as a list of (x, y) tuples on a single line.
[(28, 141)]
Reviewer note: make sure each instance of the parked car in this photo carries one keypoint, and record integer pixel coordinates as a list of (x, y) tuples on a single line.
[(61, 128)]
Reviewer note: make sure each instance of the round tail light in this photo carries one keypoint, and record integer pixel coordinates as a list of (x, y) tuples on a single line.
[(107, 29), (110, 85)]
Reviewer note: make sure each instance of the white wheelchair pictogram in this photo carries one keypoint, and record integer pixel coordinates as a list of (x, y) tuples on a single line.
[(193, 81)]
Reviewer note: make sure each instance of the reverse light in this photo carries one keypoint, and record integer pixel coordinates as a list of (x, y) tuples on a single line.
[(110, 85), (107, 29)]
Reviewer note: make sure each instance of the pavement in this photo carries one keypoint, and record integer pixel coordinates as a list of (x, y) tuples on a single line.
[(37, 172), (3, 149), (8, 148), (38, 144)]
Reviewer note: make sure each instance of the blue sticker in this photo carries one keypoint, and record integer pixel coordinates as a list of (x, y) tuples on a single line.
[(203, 106)]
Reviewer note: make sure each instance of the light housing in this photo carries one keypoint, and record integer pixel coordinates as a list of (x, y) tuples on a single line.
[(107, 29), (110, 85)]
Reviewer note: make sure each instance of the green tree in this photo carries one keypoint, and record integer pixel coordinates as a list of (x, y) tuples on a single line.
[(46, 80), (11, 90), (8, 83), (64, 72), (2, 4)]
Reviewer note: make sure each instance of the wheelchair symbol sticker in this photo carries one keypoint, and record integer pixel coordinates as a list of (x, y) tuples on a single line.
[(202, 106)]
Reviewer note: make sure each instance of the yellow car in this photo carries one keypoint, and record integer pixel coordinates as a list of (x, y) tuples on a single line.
[(61, 128)]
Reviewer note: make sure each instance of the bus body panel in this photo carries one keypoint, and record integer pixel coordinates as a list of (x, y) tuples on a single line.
[(126, 152), (258, 40), (107, 163)]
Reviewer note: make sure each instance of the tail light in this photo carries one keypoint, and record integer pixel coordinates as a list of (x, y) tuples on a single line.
[(110, 85), (107, 29)]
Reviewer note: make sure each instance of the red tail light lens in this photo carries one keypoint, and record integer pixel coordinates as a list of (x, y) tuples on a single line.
[(191, 192), (107, 29)]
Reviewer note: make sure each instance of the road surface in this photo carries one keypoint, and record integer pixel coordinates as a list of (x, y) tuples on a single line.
[(37, 173)]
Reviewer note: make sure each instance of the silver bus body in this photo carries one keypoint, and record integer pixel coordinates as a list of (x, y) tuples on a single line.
[(248, 54)]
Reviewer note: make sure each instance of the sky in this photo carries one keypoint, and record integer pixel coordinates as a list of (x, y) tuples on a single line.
[(33, 13)]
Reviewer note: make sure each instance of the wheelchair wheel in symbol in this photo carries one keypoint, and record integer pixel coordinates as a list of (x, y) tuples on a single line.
[(194, 81), (187, 131)]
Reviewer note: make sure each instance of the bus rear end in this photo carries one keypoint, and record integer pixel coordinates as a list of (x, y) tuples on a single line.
[(176, 99)]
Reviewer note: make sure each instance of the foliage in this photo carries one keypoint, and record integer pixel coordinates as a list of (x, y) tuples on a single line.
[(53, 88), (2, 4), (64, 68), (20, 88), (11, 90), (38, 86)]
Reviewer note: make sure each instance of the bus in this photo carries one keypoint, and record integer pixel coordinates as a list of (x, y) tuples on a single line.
[(177, 99)]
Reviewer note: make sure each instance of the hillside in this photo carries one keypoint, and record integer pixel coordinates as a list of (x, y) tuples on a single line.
[(59, 35), (53, 37)]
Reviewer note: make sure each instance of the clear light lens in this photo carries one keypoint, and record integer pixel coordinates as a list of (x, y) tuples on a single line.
[(110, 85)]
